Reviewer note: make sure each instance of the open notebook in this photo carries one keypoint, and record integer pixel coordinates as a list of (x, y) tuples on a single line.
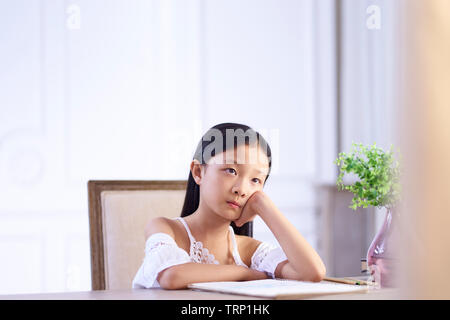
[(278, 288)]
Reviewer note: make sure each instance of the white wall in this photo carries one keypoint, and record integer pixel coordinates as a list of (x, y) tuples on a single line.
[(102, 89), (124, 90), (369, 76), (258, 69)]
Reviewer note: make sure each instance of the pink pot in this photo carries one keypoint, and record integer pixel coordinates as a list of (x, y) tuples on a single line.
[(381, 256)]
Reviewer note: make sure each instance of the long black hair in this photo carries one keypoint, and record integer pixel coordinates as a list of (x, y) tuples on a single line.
[(192, 198)]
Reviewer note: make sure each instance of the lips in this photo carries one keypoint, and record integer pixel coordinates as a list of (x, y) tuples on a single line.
[(235, 203)]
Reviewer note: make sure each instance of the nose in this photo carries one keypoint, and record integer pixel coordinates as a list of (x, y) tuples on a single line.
[(239, 190)]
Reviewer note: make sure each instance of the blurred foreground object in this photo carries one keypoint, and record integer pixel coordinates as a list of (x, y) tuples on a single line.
[(424, 124)]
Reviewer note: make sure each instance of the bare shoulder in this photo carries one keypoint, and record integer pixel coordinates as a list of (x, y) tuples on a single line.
[(159, 224), (247, 247)]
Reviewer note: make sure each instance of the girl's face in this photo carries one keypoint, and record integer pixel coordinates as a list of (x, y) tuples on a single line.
[(230, 176)]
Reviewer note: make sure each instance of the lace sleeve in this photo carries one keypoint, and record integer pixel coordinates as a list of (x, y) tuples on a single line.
[(161, 252), (267, 257)]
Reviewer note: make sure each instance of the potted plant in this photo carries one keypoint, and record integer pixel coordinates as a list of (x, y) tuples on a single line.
[(375, 182)]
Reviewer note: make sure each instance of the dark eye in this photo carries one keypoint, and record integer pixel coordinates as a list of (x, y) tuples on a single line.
[(230, 169), (259, 181)]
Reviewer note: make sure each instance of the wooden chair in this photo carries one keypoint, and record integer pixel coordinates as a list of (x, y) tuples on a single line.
[(118, 214)]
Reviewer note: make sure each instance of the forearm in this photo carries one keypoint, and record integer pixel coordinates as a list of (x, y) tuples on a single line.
[(302, 257), (179, 276)]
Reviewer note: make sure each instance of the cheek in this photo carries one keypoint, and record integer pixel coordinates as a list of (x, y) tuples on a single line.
[(214, 189)]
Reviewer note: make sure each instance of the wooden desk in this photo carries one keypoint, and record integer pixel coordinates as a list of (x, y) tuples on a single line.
[(161, 294)]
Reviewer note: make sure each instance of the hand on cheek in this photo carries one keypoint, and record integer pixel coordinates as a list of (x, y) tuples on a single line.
[(249, 211)]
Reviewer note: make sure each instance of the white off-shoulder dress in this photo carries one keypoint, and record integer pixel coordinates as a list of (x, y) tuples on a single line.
[(162, 252)]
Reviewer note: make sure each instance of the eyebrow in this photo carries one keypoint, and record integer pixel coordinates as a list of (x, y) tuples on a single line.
[(262, 172)]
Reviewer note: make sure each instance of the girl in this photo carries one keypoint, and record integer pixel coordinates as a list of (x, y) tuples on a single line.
[(212, 240)]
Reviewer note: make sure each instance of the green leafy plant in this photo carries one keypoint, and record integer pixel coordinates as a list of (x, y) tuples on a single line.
[(378, 172)]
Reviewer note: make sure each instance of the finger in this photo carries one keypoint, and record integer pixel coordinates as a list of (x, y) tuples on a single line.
[(238, 223)]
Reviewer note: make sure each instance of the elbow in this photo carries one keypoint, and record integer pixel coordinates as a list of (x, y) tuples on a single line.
[(317, 277), (313, 275), (170, 279), (319, 274)]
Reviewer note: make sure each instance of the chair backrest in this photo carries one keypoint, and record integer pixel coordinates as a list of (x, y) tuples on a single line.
[(118, 214)]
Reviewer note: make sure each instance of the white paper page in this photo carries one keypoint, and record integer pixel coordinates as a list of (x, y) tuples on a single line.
[(272, 288)]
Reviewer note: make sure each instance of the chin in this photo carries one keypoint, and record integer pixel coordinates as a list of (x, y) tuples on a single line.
[(230, 217)]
